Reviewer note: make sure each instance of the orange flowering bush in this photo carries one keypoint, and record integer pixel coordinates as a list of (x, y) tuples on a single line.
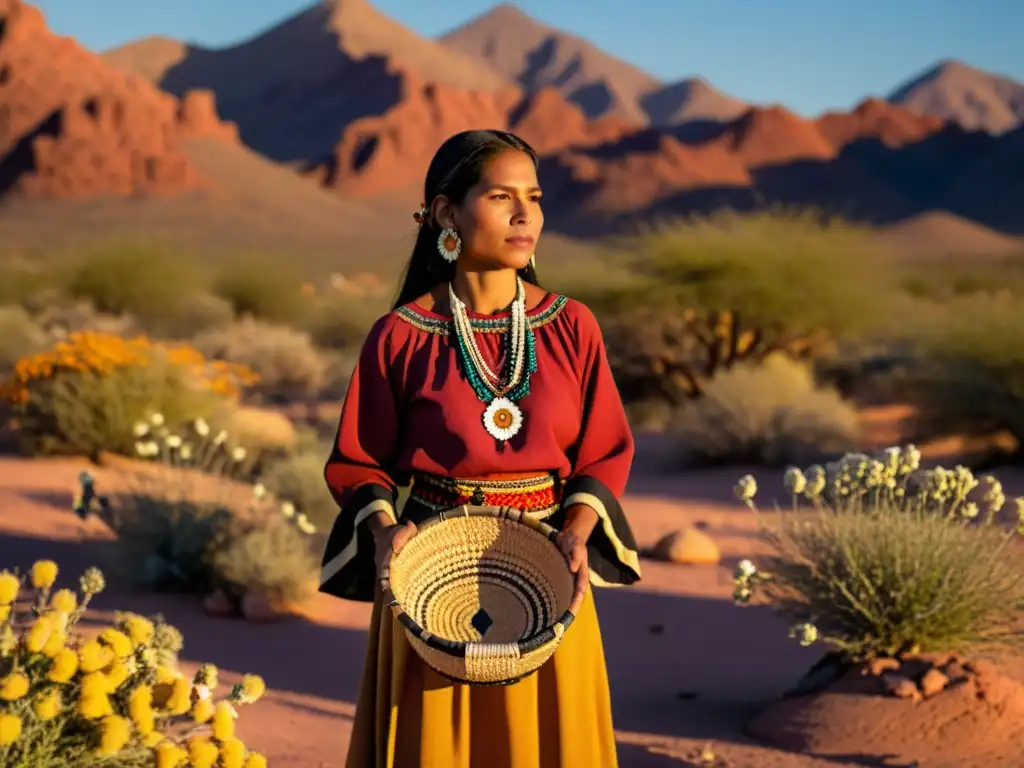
[(83, 395), (116, 699)]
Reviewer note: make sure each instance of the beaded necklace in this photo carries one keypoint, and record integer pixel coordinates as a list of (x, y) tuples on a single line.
[(502, 418)]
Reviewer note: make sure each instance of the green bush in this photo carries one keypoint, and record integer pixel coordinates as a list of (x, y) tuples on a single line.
[(202, 312), (342, 322), (769, 413), (137, 280), (879, 558), (287, 362), (268, 291), (20, 335), (276, 557), (970, 376), (88, 413), (792, 271)]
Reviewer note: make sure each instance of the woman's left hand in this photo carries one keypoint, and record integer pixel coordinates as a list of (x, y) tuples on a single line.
[(575, 551)]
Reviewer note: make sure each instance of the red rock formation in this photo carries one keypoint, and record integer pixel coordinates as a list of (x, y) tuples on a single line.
[(73, 127), (874, 118), (774, 135)]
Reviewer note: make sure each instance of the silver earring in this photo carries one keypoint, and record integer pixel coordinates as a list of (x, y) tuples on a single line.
[(449, 245)]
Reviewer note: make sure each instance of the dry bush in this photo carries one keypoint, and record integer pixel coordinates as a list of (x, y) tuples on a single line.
[(202, 312), (192, 518), (114, 701), (287, 362), (299, 478), (881, 558), (341, 321), (267, 290), (765, 413)]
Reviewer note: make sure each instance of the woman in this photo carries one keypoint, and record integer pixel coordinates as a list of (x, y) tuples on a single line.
[(481, 387)]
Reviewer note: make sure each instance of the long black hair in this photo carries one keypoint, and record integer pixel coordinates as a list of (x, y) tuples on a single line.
[(455, 169)]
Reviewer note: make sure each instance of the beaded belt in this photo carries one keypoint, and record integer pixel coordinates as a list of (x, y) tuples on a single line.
[(536, 495)]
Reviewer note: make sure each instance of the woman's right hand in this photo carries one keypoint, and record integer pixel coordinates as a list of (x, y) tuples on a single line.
[(390, 538)]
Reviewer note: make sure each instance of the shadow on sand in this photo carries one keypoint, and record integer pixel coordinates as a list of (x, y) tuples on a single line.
[(678, 666)]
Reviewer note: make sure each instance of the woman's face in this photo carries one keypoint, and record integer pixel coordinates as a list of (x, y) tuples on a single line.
[(500, 220)]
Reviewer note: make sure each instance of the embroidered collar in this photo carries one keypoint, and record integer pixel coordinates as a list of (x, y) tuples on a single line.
[(430, 322)]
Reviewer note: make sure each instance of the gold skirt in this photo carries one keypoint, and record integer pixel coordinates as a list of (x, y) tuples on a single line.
[(408, 716)]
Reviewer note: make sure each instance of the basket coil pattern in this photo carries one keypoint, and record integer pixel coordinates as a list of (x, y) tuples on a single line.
[(483, 594)]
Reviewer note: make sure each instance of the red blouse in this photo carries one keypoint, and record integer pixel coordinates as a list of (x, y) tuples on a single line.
[(409, 410)]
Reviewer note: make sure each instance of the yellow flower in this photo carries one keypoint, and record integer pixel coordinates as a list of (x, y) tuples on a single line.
[(49, 705), (152, 738), (140, 707), (38, 634), (9, 587), (92, 657), (253, 688), (255, 760), (64, 666), (117, 673), (44, 574), (96, 684), (55, 644), (232, 754), (64, 601), (94, 706), (223, 722), (114, 734), (118, 641), (10, 729), (165, 676), (139, 629), (180, 700), (202, 711), (202, 753), (13, 687), (170, 755), (5, 612)]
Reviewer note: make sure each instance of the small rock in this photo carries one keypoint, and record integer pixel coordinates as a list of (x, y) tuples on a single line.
[(901, 687), (879, 666), (688, 547), (932, 682), (218, 604)]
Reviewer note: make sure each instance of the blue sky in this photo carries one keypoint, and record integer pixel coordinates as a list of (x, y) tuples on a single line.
[(810, 55)]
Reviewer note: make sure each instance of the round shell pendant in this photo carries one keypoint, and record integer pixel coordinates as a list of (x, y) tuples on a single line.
[(503, 419)]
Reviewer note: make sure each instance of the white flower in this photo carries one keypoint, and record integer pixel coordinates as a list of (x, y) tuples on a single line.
[(259, 491), (806, 634), (157, 419), (201, 427), (174, 441), (288, 509), (970, 510), (303, 524), (503, 419), (794, 481), (140, 429), (238, 454), (147, 448), (202, 692), (746, 569), (746, 488), (186, 452), (220, 437)]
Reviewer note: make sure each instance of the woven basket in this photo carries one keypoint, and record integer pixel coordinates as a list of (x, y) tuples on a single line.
[(483, 593)]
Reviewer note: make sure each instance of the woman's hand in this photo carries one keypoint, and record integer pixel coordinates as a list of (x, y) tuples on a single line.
[(390, 538), (575, 551)]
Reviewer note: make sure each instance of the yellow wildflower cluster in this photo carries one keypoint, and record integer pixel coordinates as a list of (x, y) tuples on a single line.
[(79, 702), (102, 353)]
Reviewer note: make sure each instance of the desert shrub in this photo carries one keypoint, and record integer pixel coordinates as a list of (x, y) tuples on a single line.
[(20, 336), (971, 375), (63, 318), (794, 271), (342, 322), (879, 557), (299, 478), (135, 280), (191, 517), (768, 413), (287, 362), (201, 312), (117, 699), (84, 395), (269, 291), (21, 286)]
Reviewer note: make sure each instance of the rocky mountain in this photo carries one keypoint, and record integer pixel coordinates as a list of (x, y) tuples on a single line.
[(537, 56), (72, 126), (294, 87), (973, 98)]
